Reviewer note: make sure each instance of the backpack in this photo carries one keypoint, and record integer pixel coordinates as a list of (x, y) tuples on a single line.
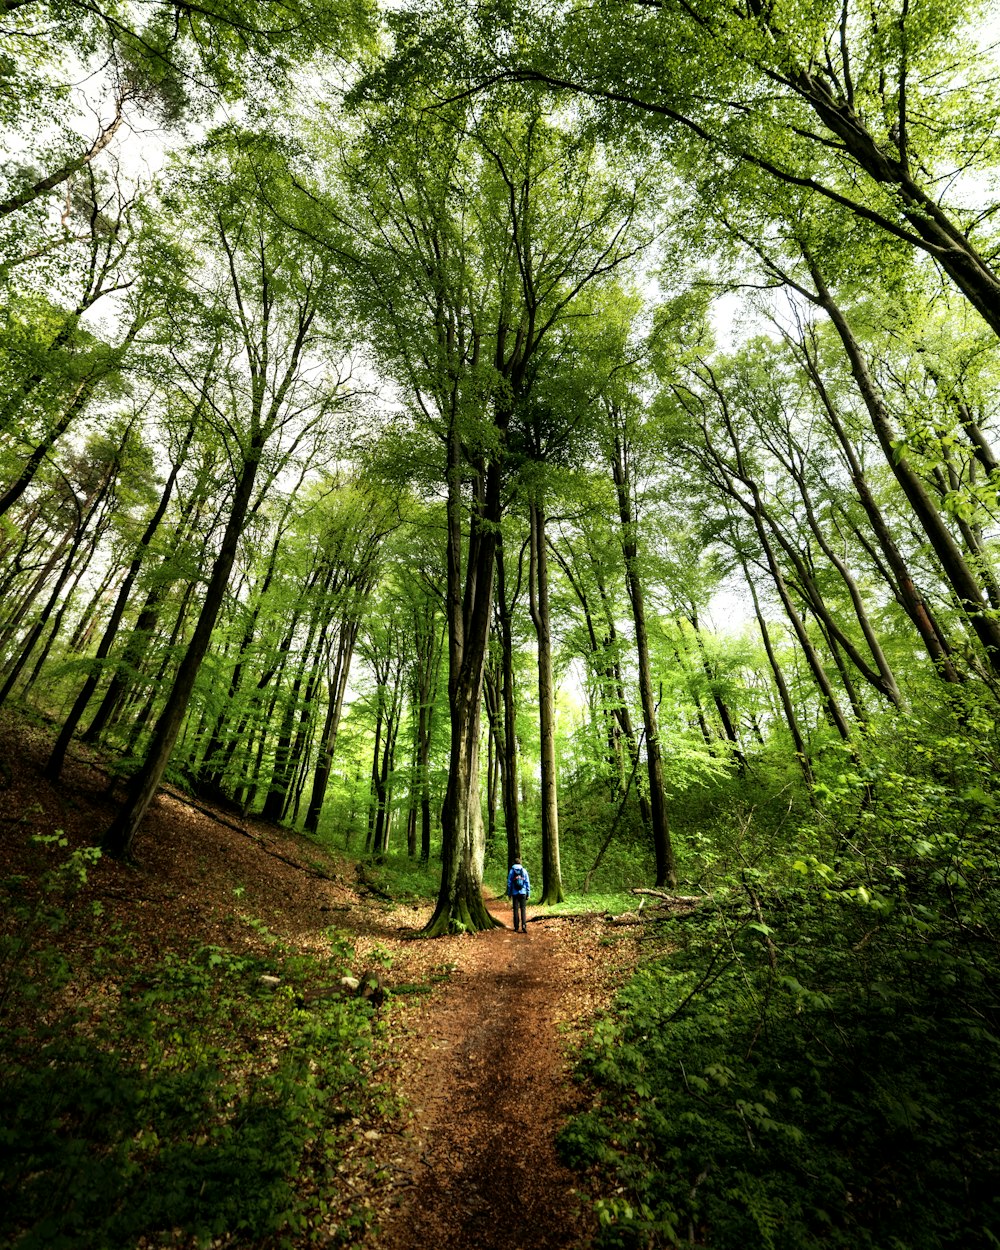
[(516, 879)]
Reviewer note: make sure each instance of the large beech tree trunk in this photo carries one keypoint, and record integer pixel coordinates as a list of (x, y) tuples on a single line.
[(469, 603)]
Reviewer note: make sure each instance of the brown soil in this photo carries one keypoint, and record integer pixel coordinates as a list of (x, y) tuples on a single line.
[(487, 1084), (481, 1064)]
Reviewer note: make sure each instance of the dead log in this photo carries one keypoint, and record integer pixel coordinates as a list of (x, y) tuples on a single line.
[(670, 898)]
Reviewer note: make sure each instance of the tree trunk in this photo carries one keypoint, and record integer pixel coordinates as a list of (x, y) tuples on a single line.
[(721, 706), (27, 194), (829, 699), (336, 690), (119, 837), (966, 586), (90, 615), (285, 763), (904, 588), (666, 873), (538, 584), (510, 782), (83, 522), (55, 762), (494, 749), (190, 522), (469, 606), (801, 754), (60, 616)]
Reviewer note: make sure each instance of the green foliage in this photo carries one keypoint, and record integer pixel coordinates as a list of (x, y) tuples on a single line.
[(30, 965), (403, 879), (186, 1099), (815, 1059)]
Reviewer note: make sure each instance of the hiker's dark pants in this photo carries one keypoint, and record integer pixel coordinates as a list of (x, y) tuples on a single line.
[(520, 905)]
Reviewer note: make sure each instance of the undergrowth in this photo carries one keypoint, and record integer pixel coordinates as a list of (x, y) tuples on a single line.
[(813, 1059), (179, 1102)]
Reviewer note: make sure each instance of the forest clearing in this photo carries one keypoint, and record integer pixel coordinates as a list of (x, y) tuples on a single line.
[(447, 438)]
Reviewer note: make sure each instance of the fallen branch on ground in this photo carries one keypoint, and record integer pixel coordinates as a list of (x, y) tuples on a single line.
[(665, 894), (310, 870)]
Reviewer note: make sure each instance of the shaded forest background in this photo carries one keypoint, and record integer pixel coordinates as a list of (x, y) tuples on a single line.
[(459, 432)]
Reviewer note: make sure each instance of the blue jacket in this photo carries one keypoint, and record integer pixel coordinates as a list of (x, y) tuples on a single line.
[(510, 881)]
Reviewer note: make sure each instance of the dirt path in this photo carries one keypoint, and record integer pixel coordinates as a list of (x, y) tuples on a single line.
[(484, 1069), (482, 1063)]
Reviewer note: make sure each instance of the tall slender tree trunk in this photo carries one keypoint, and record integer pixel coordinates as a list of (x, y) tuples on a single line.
[(902, 584), (8, 634), (729, 728), (884, 681), (90, 615), (56, 622), (335, 691), (146, 623), (55, 762), (666, 872), (967, 587), (20, 199), (469, 606), (284, 760), (120, 835), (304, 735), (607, 671), (492, 692), (509, 779), (538, 583), (82, 524), (831, 707), (791, 720)]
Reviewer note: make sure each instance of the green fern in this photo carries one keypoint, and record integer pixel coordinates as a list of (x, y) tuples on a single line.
[(761, 1206)]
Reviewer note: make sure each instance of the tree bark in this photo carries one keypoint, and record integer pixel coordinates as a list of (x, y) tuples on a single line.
[(666, 872), (968, 589), (538, 583), (120, 835)]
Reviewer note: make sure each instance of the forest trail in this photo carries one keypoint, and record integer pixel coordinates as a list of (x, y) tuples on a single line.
[(482, 1063), (485, 1071)]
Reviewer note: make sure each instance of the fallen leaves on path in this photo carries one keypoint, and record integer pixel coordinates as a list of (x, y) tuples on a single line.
[(484, 1067)]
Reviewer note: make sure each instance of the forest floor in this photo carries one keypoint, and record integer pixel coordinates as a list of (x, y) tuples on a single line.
[(476, 1044)]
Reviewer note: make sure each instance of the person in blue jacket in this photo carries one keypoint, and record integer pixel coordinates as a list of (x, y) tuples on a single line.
[(518, 889)]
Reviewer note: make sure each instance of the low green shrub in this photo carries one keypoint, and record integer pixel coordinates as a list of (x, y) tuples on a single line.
[(795, 1084)]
